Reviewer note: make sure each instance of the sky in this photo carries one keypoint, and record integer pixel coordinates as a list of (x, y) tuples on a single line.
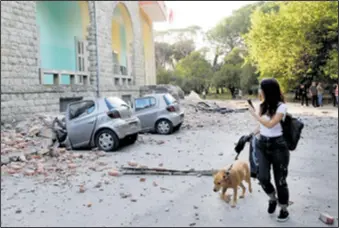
[(206, 14)]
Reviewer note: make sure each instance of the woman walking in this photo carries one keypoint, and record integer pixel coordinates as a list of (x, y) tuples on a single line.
[(272, 147)]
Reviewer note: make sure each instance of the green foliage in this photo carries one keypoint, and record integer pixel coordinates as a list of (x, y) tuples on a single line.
[(164, 76), (227, 34), (195, 72), (227, 39), (235, 72), (294, 39), (291, 41), (331, 67)]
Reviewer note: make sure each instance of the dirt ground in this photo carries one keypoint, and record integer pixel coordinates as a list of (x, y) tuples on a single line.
[(78, 190)]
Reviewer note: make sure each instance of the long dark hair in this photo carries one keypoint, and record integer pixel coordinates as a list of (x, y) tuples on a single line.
[(272, 96)]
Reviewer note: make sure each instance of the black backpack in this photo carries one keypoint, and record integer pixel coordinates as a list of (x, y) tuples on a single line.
[(292, 128)]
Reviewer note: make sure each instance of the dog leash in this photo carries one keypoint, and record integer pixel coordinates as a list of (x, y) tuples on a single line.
[(228, 170)]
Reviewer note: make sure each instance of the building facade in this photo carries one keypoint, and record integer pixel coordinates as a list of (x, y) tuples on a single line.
[(53, 52)]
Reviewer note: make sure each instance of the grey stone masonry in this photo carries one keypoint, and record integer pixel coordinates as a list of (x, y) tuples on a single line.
[(22, 93)]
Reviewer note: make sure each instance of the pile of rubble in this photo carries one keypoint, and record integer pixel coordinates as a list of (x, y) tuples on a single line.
[(32, 148), (227, 115), (175, 91), (34, 136)]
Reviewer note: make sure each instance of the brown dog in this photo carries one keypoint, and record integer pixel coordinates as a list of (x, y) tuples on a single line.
[(232, 177)]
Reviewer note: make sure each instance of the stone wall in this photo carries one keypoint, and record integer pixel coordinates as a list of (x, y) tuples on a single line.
[(104, 21), (21, 92)]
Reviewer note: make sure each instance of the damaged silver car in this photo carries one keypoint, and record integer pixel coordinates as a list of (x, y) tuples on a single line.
[(159, 112), (101, 122)]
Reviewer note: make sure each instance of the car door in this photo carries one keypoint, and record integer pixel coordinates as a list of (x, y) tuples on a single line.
[(80, 122), (146, 110)]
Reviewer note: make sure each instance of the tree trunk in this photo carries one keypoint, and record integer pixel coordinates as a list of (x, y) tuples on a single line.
[(215, 61)]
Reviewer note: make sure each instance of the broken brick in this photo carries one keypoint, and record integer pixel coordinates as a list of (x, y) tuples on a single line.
[(29, 172), (72, 166), (114, 173), (82, 189), (132, 163), (142, 179)]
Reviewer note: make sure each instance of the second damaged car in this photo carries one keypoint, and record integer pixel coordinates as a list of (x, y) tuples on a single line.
[(159, 112), (101, 122)]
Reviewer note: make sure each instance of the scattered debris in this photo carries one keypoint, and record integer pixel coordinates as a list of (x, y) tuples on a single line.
[(114, 173), (326, 218), (215, 108), (98, 185), (18, 211), (72, 166), (165, 189), (160, 142), (125, 195), (163, 171), (142, 179), (132, 163), (82, 189), (193, 96)]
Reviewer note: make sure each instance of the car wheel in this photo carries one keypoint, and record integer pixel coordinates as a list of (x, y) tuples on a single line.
[(107, 140), (131, 139), (164, 127)]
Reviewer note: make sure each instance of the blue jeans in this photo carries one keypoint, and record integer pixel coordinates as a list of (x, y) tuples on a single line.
[(320, 99)]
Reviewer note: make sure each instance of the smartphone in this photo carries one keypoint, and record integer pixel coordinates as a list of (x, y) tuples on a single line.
[(250, 103)]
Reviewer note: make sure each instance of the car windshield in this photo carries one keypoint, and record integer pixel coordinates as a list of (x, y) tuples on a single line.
[(169, 99), (114, 102)]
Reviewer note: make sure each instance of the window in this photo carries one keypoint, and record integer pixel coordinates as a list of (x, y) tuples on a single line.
[(81, 54), (145, 102), (114, 102), (169, 99), (127, 99), (63, 102), (116, 68), (81, 109)]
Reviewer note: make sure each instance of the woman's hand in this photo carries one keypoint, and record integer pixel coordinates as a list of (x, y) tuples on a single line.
[(252, 112)]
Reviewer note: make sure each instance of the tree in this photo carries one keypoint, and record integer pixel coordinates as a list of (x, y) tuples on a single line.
[(164, 76), (296, 40), (163, 54), (236, 73), (331, 67), (225, 37), (182, 48), (227, 34), (195, 72)]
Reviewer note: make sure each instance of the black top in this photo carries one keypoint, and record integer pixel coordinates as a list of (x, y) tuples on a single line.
[(303, 91)]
